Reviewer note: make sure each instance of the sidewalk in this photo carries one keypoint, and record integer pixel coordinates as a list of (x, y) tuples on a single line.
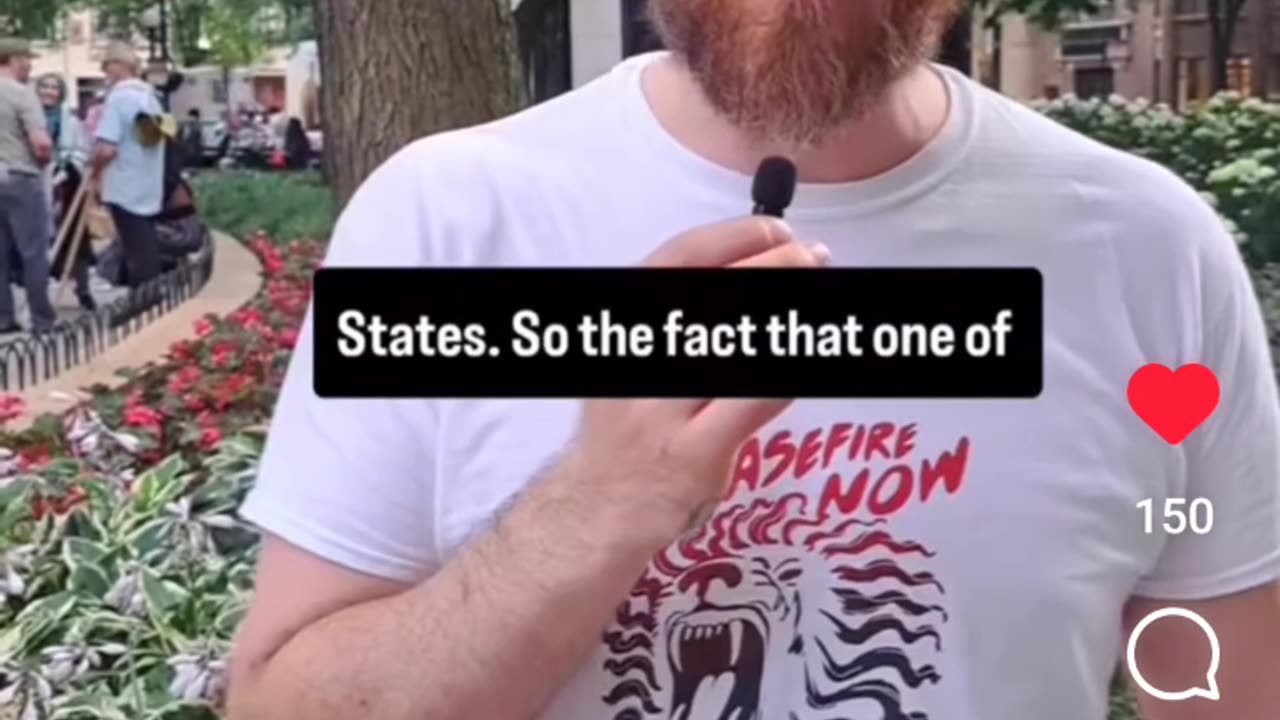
[(237, 277), (67, 307)]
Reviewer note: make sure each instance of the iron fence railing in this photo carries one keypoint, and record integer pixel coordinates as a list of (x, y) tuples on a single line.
[(32, 359)]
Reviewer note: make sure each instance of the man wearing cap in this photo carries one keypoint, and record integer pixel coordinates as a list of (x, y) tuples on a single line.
[(129, 159), (25, 148)]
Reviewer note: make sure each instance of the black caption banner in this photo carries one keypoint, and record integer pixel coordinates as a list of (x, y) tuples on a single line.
[(633, 332)]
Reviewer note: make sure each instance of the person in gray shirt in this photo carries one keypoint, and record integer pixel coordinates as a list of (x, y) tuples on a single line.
[(25, 148)]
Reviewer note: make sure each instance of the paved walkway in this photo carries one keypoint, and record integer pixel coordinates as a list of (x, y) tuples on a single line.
[(237, 277)]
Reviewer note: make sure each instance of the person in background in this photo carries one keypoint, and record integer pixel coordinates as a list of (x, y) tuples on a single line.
[(25, 149), (297, 146), (93, 114), (129, 156), (66, 173), (192, 138)]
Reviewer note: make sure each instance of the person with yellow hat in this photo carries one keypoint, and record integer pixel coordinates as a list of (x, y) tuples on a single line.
[(25, 150)]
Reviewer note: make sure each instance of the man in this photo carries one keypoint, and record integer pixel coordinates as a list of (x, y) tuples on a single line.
[(958, 560), (129, 158), (25, 149), (193, 138)]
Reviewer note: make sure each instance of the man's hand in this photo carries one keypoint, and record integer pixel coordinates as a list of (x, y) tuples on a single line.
[(41, 146), (1173, 654), (669, 461), (526, 601)]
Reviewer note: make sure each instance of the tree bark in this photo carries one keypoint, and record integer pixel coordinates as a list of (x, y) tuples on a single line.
[(392, 72)]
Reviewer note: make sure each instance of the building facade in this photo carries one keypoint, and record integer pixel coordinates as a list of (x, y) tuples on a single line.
[(1155, 49)]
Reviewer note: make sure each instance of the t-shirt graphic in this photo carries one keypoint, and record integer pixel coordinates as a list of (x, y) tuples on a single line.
[(793, 602)]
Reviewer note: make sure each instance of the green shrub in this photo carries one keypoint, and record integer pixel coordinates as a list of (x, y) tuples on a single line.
[(286, 206)]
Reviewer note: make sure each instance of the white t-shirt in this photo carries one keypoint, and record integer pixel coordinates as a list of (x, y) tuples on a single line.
[(965, 560)]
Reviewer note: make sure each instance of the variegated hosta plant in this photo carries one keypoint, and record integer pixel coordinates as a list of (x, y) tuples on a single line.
[(119, 594)]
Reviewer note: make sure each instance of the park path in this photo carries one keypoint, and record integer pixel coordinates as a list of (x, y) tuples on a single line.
[(236, 278), (66, 305)]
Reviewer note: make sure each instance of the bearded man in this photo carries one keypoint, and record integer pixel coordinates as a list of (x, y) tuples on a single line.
[(957, 560)]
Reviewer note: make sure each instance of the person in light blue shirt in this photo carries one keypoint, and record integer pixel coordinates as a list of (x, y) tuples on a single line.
[(129, 160)]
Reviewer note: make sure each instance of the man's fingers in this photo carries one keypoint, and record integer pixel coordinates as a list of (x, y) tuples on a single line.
[(724, 424), (791, 255), (722, 244)]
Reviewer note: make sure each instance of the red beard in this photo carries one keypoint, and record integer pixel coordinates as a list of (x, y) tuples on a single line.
[(794, 70)]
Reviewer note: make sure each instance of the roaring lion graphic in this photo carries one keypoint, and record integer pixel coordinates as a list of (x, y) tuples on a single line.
[(716, 626)]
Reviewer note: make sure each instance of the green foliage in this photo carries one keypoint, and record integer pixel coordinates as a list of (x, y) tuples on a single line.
[(124, 570), (123, 606), (229, 33), (35, 19), (1046, 13), (235, 32), (300, 206)]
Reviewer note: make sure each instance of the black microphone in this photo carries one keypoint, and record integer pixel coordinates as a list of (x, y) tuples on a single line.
[(774, 186)]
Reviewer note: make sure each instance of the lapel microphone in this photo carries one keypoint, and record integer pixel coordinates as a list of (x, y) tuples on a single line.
[(774, 187)]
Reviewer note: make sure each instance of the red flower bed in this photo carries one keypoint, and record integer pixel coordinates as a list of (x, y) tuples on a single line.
[(222, 380)]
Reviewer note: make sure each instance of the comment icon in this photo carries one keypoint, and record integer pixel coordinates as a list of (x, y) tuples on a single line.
[(1210, 691)]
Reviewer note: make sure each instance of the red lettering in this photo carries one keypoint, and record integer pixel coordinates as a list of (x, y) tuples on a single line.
[(746, 472), (899, 479), (906, 442), (859, 441), (878, 442), (848, 500), (783, 450), (949, 469), (839, 435), (808, 455)]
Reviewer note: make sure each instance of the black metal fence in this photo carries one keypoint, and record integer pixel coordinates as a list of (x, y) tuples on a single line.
[(33, 359)]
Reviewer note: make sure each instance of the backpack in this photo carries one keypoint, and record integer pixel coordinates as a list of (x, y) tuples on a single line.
[(152, 130)]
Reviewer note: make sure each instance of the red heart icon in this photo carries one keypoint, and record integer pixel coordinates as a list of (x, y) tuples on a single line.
[(1174, 403)]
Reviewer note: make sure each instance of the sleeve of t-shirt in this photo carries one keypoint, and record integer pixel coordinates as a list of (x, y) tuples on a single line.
[(351, 480), (1233, 460), (111, 124)]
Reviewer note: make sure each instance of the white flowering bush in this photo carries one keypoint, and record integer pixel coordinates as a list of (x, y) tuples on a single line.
[(119, 594), (1228, 148)]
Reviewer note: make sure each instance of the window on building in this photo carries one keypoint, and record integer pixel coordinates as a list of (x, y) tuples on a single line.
[(1273, 78), (1192, 80), (1240, 75), (1095, 82)]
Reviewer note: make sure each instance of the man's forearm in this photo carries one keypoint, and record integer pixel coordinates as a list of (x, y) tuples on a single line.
[(493, 635), (102, 156)]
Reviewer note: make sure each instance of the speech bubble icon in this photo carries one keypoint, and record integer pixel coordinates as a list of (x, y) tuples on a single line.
[(1211, 675)]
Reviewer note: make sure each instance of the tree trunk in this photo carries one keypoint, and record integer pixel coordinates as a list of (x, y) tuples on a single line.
[(392, 72)]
